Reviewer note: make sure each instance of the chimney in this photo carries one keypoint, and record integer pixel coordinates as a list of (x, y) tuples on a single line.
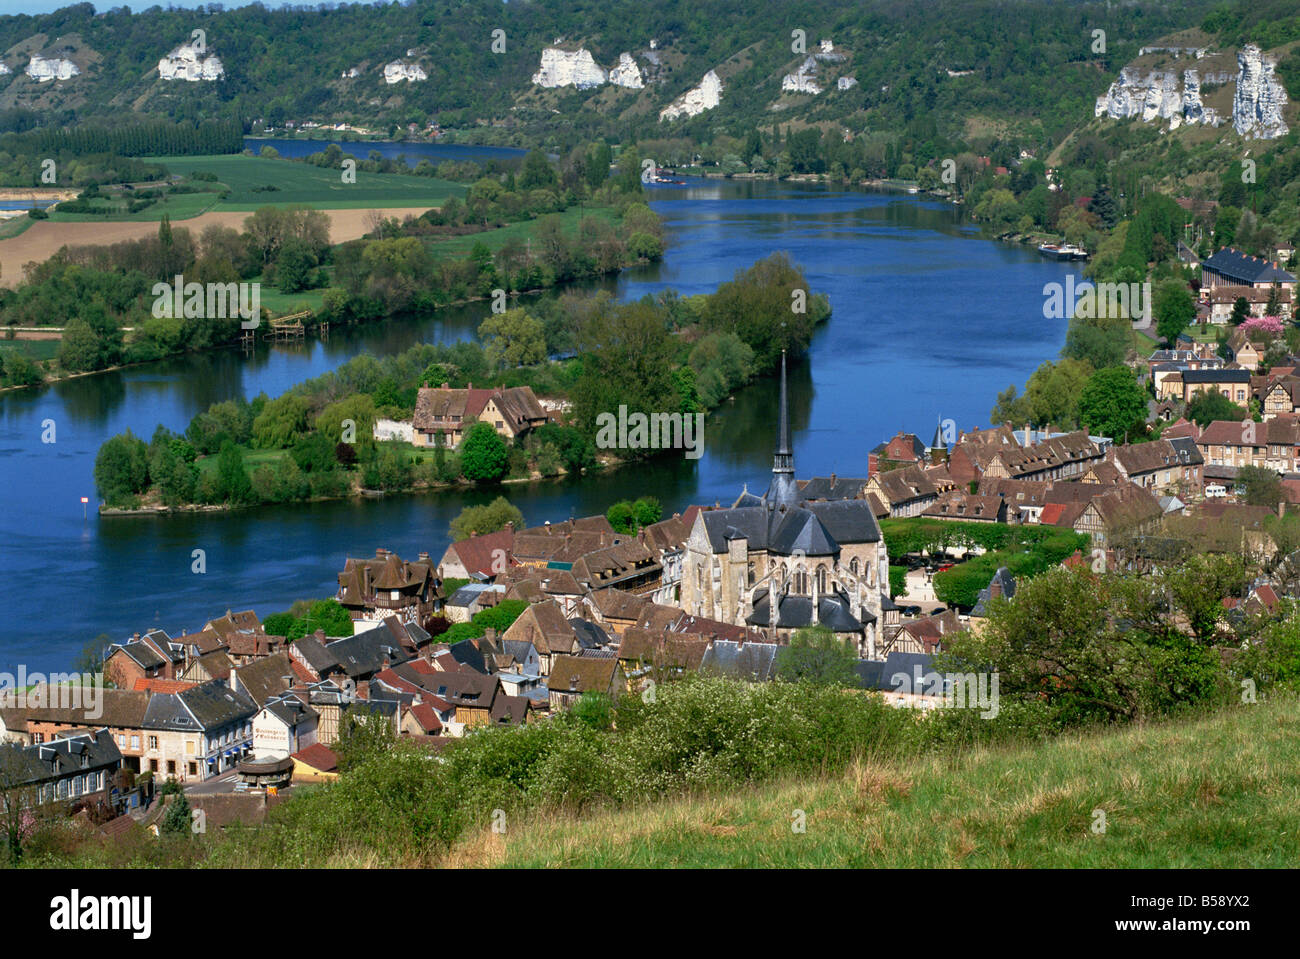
[(446, 385), (424, 558), (510, 525), (995, 588), (1281, 508), (469, 386), (380, 552), (832, 478)]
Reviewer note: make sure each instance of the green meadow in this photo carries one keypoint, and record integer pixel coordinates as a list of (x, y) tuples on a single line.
[(258, 181)]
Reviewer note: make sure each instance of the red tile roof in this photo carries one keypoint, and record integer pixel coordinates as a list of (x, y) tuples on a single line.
[(318, 757), (427, 718), (146, 685)]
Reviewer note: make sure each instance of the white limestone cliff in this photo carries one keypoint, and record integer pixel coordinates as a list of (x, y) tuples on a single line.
[(187, 62), (397, 71), (44, 70), (563, 68), (627, 73), (350, 74), (844, 83), (4, 68), (1257, 107), (696, 100), (1157, 97)]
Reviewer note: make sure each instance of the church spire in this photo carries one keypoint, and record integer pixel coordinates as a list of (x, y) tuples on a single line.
[(783, 491)]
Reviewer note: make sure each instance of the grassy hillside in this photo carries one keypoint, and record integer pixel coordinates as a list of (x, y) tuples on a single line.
[(1211, 792)]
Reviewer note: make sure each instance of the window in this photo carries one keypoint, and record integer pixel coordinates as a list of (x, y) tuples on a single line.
[(121, 739), (63, 789), (38, 737), (171, 767), (153, 742), (135, 741), (153, 765), (194, 769)]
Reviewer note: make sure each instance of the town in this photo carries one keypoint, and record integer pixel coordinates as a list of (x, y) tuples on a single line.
[(509, 627)]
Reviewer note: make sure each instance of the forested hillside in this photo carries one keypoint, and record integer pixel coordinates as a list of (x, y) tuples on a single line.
[(928, 69)]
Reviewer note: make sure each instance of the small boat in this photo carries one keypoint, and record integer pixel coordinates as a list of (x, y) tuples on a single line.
[(912, 189)]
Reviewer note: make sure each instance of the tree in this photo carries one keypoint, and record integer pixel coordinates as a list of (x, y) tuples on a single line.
[(1263, 486), (80, 349), (817, 655), (512, 339), (536, 173), (1210, 405), (1240, 310), (761, 305), (91, 658), (122, 468), (177, 820), (232, 477), (483, 454), (329, 615), (647, 511), (1274, 305), (280, 422), (486, 518), (1174, 309), (1112, 404), (622, 517)]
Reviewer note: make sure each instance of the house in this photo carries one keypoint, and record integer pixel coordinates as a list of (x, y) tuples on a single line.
[(1281, 397), (265, 678), (385, 585), (1120, 510), (1061, 457), (572, 676), (907, 491), (471, 695), (969, 508), (646, 651), (200, 732), (479, 557), (629, 566), (282, 727), (1163, 465), (45, 713), (535, 584), (547, 629), (926, 635), (151, 656), (903, 448), (1245, 352), (1273, 444), (666, 541), (615, 608), (76, 765), (1232, 383), (470, 599), (442, 414), (1222, 300), (315, 764), (1025, 499), (214, 665)]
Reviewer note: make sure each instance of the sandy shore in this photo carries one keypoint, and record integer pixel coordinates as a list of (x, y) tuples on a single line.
[(44, 238)]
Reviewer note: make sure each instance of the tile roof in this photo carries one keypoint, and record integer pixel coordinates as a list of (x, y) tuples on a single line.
[(318, 757)]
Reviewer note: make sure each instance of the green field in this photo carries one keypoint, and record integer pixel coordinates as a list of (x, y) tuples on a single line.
[(32, 349), (179, 206), (1212, 792), (495, 239), (255, 182)]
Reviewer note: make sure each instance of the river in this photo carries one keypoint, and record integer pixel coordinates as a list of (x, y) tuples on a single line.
[(928, 322)]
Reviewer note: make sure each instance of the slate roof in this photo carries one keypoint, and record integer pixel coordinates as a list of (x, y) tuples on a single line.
[(290, 710), (1244, 268), (1007, 584), (590, 636), (315, 654), (755, 662), (142, 654), (207, 706), (834, 611), (60, 757), (115, 708), (1216, 376), (832, 488), (816, 528), (364, 654)]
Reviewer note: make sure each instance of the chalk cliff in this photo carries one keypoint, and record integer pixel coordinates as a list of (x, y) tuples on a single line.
[(44, 70), (564, 68), (1257, 107), (696, 100), (397, 71), (186, 62), (1159, 97)]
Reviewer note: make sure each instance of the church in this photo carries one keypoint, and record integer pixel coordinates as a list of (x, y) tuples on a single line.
[(778, 562)]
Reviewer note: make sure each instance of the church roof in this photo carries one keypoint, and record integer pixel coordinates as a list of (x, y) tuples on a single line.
[(795, 612)]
